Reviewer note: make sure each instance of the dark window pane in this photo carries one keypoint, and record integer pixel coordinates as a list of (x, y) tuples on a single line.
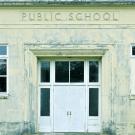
[(3, 67), (77, 71), (45, 71), (133, 50), (93, 71), (45, 102), (93, 102), (61, 71), (3, 50), (3, 86)]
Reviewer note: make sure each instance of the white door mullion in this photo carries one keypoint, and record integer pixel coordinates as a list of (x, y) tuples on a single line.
[(99, 89), (38, 93), (94, 124), (86, 96), (52, 88), (69, 71)]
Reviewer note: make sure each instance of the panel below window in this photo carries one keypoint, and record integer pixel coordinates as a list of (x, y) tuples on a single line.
[(3, 84), (45, 102), (93, 101)]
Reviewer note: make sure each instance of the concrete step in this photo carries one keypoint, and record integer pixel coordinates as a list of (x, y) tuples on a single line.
[(67, 134)]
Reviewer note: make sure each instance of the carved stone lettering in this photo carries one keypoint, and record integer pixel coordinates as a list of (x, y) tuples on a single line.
[(69, 16)]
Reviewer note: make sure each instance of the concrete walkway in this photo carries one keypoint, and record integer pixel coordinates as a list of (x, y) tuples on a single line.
[(66, 134)]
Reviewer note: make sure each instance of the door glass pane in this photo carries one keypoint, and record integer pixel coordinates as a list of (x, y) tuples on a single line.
[(93, 101), (45, 102), (3, 69), (3, 84), (61, 71), (77, 71), (93, 71), (45, 71), (3, 50)]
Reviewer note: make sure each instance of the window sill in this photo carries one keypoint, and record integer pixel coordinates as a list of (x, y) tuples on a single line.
[(4, 95)]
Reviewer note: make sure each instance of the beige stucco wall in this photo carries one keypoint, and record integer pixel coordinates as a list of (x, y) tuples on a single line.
[(25, 37)]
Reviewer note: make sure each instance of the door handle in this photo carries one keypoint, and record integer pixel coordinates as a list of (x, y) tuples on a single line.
[(69, 113)]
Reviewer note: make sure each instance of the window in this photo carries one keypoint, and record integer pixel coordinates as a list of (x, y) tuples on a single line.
[(45, 102), (77, 71), (93, 101), (133, 50), (93, 71), (3, 50), (72, 71), (62, 71), (45, 71), (3, 68)]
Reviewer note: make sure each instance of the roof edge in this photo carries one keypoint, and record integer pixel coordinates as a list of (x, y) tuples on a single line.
[(67, 3)]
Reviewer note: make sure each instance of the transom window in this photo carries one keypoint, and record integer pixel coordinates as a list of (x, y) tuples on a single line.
[(66, 71), (3, 68), (69, 71), (93, 71), (45, 71)]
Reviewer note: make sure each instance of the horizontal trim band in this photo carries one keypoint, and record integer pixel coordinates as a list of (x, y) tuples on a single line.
[(67, 3)]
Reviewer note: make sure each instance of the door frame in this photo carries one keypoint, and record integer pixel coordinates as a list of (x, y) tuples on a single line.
[(86, 83)]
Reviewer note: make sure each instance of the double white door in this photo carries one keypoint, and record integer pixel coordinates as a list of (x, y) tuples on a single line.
[(69, 108), (64, 96)]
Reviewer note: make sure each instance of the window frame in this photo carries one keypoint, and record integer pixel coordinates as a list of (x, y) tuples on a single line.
[(132, 65), (5, 94), (49, 119), (95, 85)]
